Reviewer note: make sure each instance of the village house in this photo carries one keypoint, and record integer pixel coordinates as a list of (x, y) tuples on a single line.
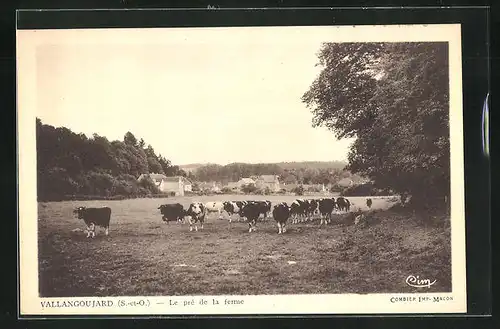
[(175, 184), (268, 181), (156, 178), (245, 181), (345, 182), (209, 186)]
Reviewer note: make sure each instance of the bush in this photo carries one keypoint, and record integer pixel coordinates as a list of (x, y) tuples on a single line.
[(299, 190), (367, 189), (249, 188), (313, 189)]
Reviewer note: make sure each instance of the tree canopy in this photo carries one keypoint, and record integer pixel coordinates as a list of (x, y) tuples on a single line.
[(70, 163), (393, 98)]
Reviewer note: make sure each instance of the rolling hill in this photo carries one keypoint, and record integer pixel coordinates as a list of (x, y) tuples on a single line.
[(285, 165)]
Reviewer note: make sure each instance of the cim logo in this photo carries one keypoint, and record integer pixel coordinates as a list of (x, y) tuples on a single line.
[(415, 281)]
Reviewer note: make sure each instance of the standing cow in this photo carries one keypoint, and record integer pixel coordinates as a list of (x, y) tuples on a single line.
[(326, 207), (264, 208), (281, 212), (298, 210), (196, 213), (251, 211), (342, 203), (234, 207), (369, 203), (215, 206), (172, 212), (94, 217), (312, 208)]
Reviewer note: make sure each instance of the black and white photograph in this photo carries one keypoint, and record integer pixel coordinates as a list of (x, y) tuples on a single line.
[(241, 170)]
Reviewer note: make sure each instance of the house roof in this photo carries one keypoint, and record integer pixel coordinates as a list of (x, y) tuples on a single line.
[(157, 176)]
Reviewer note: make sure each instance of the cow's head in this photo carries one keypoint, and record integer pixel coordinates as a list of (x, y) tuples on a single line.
[(196, 208), (79, 211), (228, 206)]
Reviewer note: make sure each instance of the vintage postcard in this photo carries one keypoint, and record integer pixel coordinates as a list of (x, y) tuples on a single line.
[(246, 170)]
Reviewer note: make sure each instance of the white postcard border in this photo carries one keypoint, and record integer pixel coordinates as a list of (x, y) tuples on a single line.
[(32, 304)]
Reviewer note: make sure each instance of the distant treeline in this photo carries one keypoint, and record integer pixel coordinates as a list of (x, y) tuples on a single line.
[(327, 173), (74, 166)]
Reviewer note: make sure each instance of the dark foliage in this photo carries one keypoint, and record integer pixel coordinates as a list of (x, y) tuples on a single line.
[(393, 97), (72, 166)]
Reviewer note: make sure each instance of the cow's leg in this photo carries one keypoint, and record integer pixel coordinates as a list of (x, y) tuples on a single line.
[(279, 228), (249, 227), (190, 225), (201, 224), (88, 231), (92, 230), (107, 230)]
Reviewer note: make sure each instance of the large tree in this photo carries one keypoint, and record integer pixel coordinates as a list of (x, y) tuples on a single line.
[(393, 98)]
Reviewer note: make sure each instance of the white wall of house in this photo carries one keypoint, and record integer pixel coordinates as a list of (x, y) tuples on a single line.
[(168, 187)]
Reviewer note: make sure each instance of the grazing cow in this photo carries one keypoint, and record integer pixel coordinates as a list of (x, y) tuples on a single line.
[(298, 210), (196, 213), (251, 211), (369, 203), (326, 207), (216, 206), (94, 217), (342, 203), (172, 212), (281, 212)]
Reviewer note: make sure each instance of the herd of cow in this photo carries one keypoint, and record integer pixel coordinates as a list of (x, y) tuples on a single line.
[(300, 210)]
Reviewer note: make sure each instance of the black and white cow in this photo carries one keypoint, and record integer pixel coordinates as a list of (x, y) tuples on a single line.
[(298, 210), (312, 207), (369, 203), (215, 206), (251, 211), (342, 203), (94, 217), (264, 208), (233, 207), (172, 212), (281, 213), (326, 207), (196, 213)]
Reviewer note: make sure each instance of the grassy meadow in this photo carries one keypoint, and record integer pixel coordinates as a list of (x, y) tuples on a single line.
[(143, 256)]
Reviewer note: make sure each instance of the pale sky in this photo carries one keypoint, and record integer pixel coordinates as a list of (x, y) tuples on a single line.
[(196, 95)]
